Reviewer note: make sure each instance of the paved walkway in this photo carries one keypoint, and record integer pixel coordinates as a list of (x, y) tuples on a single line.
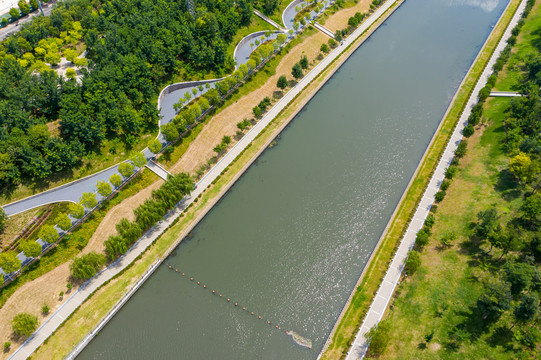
[(324, 30), (157, 169), (392, 277), (505, 94), (75, 300), (269, 20)]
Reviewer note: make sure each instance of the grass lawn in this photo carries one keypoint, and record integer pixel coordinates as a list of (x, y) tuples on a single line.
[(527, 45), (441, 296)]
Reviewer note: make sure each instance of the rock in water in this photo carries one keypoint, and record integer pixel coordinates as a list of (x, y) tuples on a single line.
[(302, 341)]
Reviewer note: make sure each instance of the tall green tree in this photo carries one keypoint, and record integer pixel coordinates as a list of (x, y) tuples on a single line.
[(88, 200), (24, 324), (48, 234), (30, 248), (9, 262)]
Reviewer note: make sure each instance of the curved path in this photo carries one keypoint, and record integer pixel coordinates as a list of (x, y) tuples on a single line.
[(79, 296), (392, 277), (72, 191)]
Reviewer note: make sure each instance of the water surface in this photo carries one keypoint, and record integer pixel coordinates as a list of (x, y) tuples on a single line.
[(292, 236)]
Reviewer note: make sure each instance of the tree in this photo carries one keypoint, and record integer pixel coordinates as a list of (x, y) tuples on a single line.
[(3, 219), (139, 160), (126, 169), (104, 188), (531, 208), (324, 48), (496, 299), (87, 266), (76, 210), (115, 246), (304, 62), (282, 82), (9, 262), (257, 112), (487, 221), (88, 200), (297, 71), (24, 324), (204, 104), (34, 4), (71, 73), (24, 7), (522, 167), (30, 248), (527, 309), (169, 131), (422, 238), (63, 221), (116, 180), (48, 234), (520, 275), (338, 35), (413, 262), (129, 231), (14, 13), (155, 146)]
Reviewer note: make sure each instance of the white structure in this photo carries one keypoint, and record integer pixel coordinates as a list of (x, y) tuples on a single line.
[(5, 5)]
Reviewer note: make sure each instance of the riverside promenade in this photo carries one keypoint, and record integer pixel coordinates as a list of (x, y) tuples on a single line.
[(392, 277), (79, 296)]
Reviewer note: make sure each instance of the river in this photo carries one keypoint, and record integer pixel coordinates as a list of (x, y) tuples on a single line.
[(291, 237)]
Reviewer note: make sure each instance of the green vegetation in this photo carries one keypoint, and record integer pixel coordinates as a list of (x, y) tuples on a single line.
[(478, 295), (63, 221), (104, 188), (126, 169), (45, 309), (30, 248), (118, 99), (9, 262), (76, 210), (88, 200), (86, 266), (24, 324)]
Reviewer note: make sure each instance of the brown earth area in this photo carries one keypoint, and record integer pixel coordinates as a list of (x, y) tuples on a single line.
[(15, 224), (44, 290), (339, 20)]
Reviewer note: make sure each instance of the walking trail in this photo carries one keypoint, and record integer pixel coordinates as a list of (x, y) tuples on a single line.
[(392, 277), (75, 300)]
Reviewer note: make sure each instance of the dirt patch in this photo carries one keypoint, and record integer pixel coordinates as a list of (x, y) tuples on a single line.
[(225, 123), (339, 20), (117, 213), (54, 128)]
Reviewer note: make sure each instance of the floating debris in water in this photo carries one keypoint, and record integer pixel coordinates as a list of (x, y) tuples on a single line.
[(302, 341)]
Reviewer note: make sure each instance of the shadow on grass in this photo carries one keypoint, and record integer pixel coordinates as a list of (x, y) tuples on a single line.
[(507, 186)]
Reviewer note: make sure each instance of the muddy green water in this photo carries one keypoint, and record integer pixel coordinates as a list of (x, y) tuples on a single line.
[(292, 236)]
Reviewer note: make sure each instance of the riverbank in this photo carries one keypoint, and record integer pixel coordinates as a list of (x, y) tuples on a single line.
[(354, 312), (314, 81)]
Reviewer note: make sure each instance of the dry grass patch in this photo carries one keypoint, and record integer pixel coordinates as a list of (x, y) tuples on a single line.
[(339, 20)]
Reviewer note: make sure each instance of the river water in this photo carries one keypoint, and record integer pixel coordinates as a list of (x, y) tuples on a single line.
[(290, 239)]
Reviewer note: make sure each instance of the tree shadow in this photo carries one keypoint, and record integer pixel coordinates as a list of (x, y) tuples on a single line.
[(507, 186), (502, 336)]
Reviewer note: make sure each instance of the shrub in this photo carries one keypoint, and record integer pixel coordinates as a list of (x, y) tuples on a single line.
[(448, 238), (126, 169), (413, 262), (129, 231), (7, 344), (422, 238), (429, 221), (45, 309), (445, 185), (257, 111), (440, 195), (468, 130), (304, 62), (324, 48), (461, 149), (450, 172), (24, 324), (226, 139), (86, 266), (30, 248), (379, 338), (332, 43)]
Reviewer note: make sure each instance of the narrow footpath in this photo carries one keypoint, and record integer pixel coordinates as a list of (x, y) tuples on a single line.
[(75, 300), (392, 277)]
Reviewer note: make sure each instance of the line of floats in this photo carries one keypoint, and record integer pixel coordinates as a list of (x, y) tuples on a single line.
[(297, 338)]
